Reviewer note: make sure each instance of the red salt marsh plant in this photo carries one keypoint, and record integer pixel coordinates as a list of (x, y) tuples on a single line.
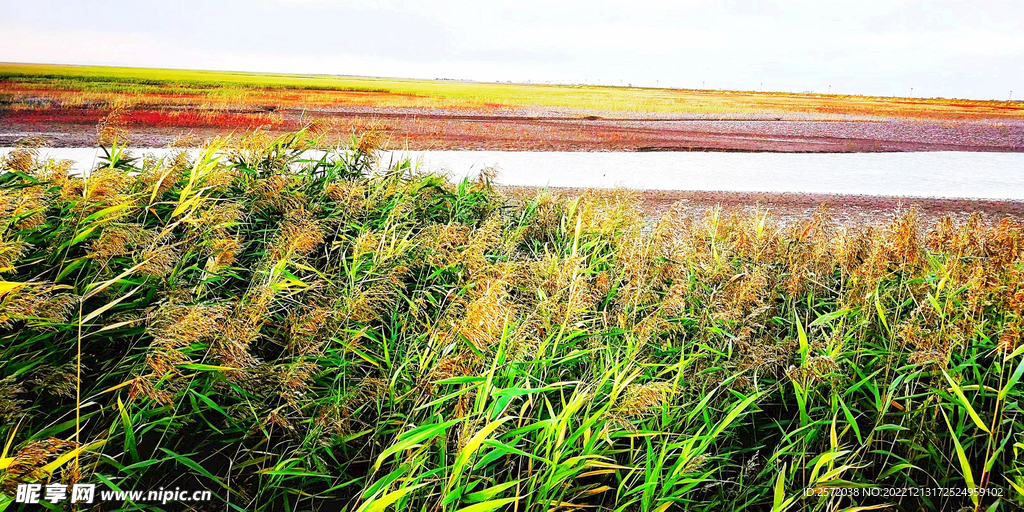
[(147, 118), (308, 334), (244, 121)]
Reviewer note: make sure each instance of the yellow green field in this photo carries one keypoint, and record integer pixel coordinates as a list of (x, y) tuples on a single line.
[(131, 81)]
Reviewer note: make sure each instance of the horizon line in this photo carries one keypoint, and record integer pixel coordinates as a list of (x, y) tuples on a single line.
[(528, 82)]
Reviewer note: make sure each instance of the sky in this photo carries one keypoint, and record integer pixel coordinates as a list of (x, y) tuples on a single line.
[(944, 48)]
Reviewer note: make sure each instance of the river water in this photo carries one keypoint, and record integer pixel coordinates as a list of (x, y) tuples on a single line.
[(928, 174)]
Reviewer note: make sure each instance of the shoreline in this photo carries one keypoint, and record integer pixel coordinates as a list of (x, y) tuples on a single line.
[(846, 209)]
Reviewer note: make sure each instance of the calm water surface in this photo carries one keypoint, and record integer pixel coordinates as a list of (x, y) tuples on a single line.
[(932, 174)]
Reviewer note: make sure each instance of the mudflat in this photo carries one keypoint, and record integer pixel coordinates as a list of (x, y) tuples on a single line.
[(844, 209)]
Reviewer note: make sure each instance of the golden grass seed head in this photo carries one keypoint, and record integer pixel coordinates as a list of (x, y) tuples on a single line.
[(143, 386), (821, 367), (158, 180), (463, 408), (158, 261), (350, 193), (103, 187), (11, 251), (163, 361), (299, 236), (486, 176), (113, 129), (274, 418), (486, 314), (328, 419), (765, 356), (223, 252), (1009, 338), (365, 303), (371, 389), (458, 365), (32, 142), (486, 239), (25, 207), (28, 462), (928, 356), (442, 244), (305, 331), (614, 419), (34, 303), (366, 243), (119, 240), (643, 399), (177, 325), (320, 129), (695, 464), (11, 403), (21, 159), (370, 143), (231, 347)]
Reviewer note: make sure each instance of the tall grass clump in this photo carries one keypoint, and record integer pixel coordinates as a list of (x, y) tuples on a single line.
[(331, 334)]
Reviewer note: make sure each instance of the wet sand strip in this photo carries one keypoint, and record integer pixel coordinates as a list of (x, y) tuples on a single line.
[(787, 207)]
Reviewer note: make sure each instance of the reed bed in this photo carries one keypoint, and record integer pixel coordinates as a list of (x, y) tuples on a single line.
[(325, 334)]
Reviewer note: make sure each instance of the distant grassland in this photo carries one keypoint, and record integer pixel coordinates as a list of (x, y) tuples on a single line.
[(94, 83)]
